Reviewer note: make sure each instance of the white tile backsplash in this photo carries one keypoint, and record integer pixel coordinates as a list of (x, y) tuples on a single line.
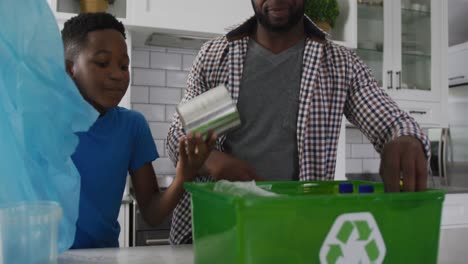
[(362, 151), (159, 129), (170, 111), (177, 79), (149, 77), (361, 156), (353, 136), (164, 166), (187, 61), (158, 82), (140, 94), (166, 61), (140, 58), (165, 95), (370, 165), (348, 152), (353, 165), (151, 112), (161, 147)]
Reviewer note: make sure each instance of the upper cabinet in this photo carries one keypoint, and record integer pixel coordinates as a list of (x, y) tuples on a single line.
[(65, 9), (206, 17), (214, 17), (405, 42)]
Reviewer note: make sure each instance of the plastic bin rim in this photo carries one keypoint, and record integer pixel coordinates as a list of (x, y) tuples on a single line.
[(205, 189)]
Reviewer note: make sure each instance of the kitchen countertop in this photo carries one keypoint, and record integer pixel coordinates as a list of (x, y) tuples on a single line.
[(450, 252), (134, 255)]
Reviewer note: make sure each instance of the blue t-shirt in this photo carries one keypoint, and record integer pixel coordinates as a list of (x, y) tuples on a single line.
[(119, 142)]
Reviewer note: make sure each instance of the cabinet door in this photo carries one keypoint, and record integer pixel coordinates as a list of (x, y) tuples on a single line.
[(418, 50), (204, 16), (374, 39)]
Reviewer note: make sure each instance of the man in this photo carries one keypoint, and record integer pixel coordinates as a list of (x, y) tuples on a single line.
[(292, 87)]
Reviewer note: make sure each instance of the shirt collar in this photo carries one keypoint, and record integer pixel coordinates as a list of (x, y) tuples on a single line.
[(246, 28)]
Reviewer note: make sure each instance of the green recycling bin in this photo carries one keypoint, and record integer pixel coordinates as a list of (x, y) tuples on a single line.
[(312, 222)]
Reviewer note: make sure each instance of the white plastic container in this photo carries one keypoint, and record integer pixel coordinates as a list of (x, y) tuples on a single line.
[(29, 232)]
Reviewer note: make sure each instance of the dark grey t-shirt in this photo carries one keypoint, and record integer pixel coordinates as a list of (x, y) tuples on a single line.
[(268, 106)]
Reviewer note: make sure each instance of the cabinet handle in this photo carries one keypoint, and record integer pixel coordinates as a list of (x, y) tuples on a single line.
[(157, 242), (456, 78), (418, 112), (148, 5), (390, 77), (398, 73)]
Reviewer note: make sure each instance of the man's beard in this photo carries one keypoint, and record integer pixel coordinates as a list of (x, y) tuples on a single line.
[(294, 17)]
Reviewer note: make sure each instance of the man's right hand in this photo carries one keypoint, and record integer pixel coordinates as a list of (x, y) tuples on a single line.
[(222, 166)]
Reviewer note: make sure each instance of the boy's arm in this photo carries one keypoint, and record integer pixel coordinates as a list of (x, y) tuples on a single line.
[(156, 206)]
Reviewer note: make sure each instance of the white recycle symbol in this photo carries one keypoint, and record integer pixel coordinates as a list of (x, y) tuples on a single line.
[(353, 239)]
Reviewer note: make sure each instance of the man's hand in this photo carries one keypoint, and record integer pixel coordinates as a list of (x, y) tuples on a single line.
[(404, 155), (222, 166)]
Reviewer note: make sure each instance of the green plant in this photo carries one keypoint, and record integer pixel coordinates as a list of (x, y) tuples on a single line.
[(322, 10)]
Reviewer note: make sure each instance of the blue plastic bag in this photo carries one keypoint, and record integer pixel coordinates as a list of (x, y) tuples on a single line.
[(40, 109)]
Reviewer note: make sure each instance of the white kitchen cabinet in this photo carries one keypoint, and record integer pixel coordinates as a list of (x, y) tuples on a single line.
[(207, 17), (65, 9), (404, 42)]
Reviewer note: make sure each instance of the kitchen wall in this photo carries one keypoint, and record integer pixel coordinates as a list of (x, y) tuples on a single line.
[(361, 157), (158, 80)]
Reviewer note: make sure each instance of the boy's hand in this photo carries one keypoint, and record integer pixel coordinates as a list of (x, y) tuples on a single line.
[(193, 151)]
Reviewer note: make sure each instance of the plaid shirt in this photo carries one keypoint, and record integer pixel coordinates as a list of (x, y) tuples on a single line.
[(334, 82)]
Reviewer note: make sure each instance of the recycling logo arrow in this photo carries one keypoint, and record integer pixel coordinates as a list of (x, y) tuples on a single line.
[(353, 238)]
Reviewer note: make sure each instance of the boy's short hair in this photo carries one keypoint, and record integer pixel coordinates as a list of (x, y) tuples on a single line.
[(76, 29)]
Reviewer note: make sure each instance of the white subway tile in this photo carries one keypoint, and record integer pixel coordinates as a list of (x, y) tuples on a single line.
[(140, 94), (165, 96), (348, 151), (370, 165), (353, 166), (362, 151), (365, 140), (140, 58), (182, 51), (187, 61), (170, 111), (161, 147), (164, 166), (376, 155), (159, 129), (149, 77), (166, 61), (151, 112), (353, 135), (177, 79)]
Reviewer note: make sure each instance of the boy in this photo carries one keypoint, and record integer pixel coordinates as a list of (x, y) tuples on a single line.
[(120, 141)]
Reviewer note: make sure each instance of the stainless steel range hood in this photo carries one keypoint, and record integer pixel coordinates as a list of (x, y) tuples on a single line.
[(175, 40)]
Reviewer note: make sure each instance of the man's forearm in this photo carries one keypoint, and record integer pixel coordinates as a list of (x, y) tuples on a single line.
[(210, 163)]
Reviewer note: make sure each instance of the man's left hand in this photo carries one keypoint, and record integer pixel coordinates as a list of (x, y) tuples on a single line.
[(404, 156)]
